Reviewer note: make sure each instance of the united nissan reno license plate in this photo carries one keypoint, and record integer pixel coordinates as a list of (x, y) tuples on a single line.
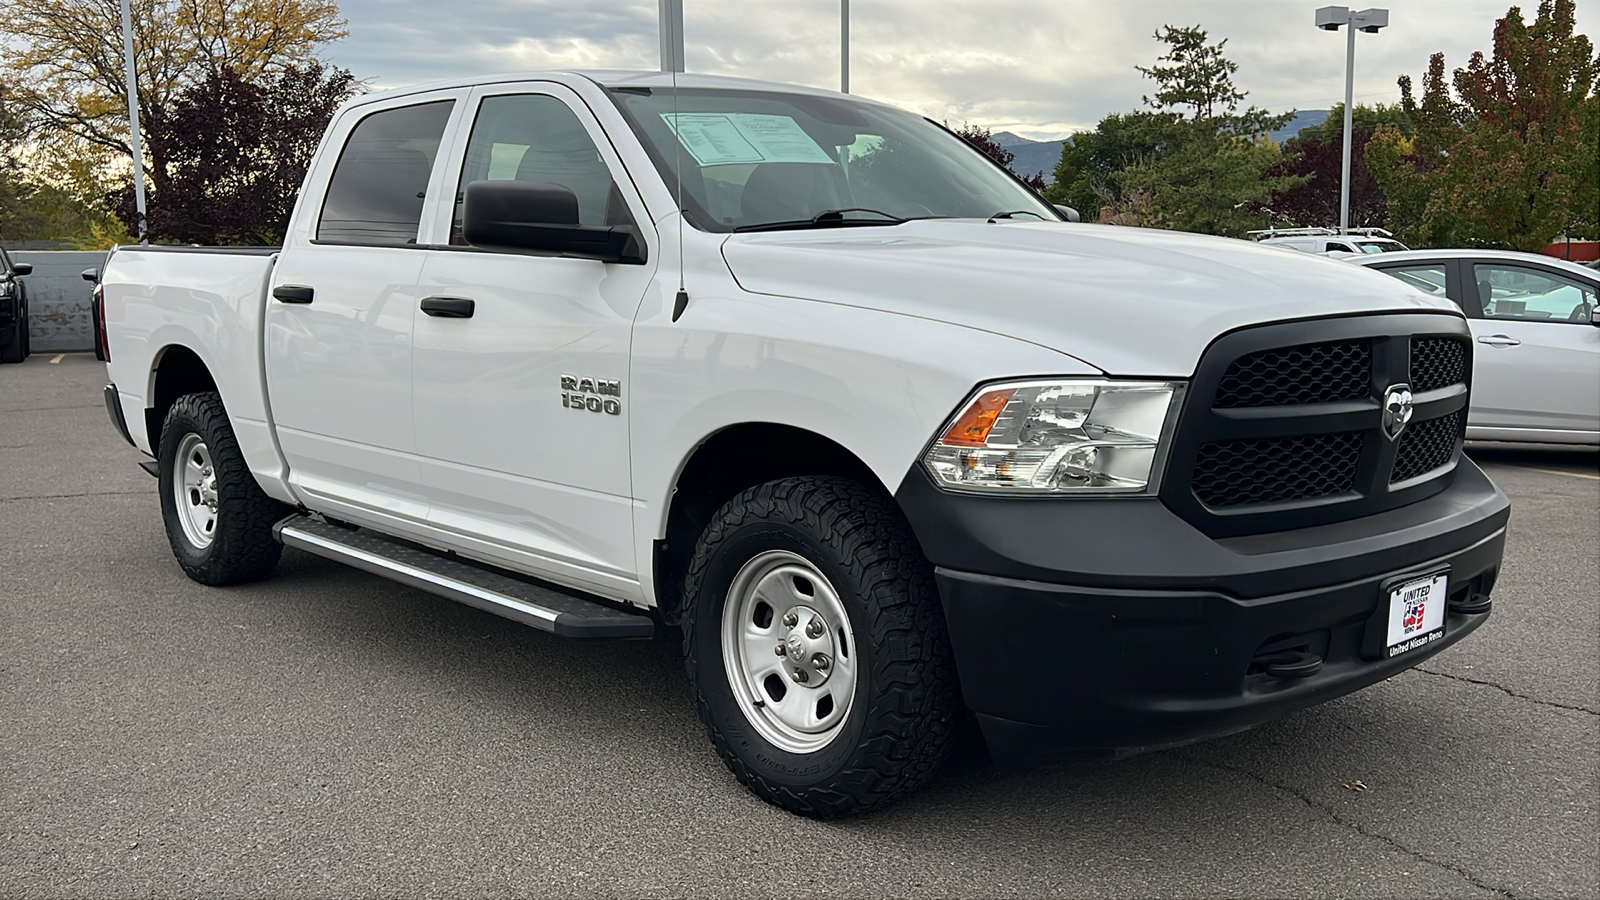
[(1416, 613)]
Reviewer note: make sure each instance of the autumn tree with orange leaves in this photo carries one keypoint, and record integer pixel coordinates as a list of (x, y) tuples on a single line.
[(1509, 158)]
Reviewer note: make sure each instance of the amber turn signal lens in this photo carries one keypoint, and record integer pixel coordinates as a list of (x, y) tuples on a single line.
[(972, 428)]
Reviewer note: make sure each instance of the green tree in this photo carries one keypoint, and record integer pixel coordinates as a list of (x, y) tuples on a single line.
[(1200, 170), (1511, 156), (1196, 74)]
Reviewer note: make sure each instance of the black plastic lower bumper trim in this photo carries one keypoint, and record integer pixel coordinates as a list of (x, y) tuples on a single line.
[(1049, 667)]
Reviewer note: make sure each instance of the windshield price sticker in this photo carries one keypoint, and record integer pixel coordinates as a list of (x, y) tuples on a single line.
[(723, 139), (1416, 613)]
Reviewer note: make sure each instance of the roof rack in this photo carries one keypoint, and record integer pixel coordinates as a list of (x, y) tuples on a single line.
[(1308, 232)]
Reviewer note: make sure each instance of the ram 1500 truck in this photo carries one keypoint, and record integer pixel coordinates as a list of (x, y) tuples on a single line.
[(809, 377)]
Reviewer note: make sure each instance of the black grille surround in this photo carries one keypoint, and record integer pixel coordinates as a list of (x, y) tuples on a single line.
[(1315, 452)]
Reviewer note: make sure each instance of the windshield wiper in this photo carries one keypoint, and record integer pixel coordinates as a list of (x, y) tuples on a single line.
[(828, 218), (1013, 213)]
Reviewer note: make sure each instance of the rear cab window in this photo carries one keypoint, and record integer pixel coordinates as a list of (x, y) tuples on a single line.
[(376, 194)]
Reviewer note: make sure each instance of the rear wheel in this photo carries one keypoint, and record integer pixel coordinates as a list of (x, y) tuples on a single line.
[(817, 649), (219, 522)]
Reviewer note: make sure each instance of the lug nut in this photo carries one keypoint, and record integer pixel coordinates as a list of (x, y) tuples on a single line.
[(781, 649), (801, 676), (820, 662), (791, 619), (815, 628)]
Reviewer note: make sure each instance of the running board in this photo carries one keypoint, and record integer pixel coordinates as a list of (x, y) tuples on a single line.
[(547, 610)]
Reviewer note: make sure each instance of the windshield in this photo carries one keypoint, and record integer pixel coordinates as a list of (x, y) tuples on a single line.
[(1381, 246), (757, 159)]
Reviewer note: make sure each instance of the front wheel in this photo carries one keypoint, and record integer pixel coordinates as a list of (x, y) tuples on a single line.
[(816, 647), (219, 522)]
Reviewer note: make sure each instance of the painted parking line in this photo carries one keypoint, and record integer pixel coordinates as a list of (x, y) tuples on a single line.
[(1545, 471)]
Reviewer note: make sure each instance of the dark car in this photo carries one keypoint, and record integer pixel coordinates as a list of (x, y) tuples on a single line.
[(13, 309)]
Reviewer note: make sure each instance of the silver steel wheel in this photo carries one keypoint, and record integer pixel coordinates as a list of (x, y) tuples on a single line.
[(194, 489), (789, 652)]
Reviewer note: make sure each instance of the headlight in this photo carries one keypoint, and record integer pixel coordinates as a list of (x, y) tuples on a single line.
[(1057, 437)]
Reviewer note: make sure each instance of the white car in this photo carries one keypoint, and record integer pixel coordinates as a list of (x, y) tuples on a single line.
[(1536, 370), (1359, 242)]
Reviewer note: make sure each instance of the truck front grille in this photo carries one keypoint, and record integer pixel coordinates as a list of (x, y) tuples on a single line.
[(1437, 363), (1235, 473), (1284, 425), (1426, 446), (1311, 373)]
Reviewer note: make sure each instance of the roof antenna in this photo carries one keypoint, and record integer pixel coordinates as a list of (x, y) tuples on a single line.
[(672, 56)]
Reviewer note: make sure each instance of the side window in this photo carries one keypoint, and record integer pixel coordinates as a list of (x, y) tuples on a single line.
[(1523, 292), (537, 138), (1428, 278), (380, 181), (1335, 245)]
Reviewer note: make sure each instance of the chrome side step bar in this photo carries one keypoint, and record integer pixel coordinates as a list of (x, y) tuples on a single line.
[(545, 609)]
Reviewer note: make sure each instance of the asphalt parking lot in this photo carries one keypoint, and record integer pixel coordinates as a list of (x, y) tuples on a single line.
[(328, 733)]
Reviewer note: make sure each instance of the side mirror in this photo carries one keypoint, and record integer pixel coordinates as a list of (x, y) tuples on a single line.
[(1069, 212), (520, 215), (90, 275), (22, 268), (1594, 316)]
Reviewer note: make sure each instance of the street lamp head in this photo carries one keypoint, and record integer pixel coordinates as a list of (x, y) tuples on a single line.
[(1370, 20), (1329, 18)]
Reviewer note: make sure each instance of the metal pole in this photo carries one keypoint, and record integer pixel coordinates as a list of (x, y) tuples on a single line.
[(844, 46), (1349, 94), (670, 26), (133, 117)]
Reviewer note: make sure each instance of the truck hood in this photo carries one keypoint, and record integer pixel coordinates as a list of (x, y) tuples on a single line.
[(1128, 301)]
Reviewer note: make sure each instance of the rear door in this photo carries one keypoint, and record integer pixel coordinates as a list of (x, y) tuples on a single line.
[(340, 308), (522, 408)]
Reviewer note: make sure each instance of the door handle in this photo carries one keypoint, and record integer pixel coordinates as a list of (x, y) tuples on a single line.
[(448, 307), (1499, 340), (293, 293)]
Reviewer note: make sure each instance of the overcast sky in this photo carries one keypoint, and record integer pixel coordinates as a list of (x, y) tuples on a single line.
[(1040, 68)]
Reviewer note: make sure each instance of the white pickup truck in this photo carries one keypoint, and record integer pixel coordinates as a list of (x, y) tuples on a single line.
[(806, 375)]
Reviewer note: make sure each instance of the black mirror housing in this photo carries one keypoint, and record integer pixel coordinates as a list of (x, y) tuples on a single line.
[(520, 215), (22, 268), (90, 275)]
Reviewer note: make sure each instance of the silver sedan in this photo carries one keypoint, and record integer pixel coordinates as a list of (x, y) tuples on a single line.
[(1536, 369)]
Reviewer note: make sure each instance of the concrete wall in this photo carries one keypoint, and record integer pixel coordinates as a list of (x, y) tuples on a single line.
[(58, 298)]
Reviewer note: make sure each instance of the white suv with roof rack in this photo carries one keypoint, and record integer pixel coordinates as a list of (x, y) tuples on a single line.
[(1329, 241)]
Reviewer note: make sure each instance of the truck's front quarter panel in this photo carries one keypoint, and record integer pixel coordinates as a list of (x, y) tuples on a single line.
[(877, 384)]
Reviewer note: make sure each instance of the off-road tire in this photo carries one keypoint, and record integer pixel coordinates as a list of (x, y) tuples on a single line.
[(242, 548), (899, 728)]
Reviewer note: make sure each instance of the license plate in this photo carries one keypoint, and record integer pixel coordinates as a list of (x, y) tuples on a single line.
[(1416, 613)]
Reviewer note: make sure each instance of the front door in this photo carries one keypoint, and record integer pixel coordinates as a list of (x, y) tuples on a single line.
[(522, 408), (1537, 360)]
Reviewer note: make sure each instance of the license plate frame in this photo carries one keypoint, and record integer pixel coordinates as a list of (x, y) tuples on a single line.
[(1414, 608)]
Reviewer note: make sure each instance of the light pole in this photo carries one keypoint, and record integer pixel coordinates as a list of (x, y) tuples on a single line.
[(669, 26), (1330, 18), (133, 118), (844, 46)]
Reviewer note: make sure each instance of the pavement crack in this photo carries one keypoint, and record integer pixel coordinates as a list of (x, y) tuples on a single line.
[(23, 409), (75, 496), (1357, 827), (1508, 691)]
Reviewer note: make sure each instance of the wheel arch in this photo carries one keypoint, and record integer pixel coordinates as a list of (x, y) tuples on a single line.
[(726, 462), (175, 371)]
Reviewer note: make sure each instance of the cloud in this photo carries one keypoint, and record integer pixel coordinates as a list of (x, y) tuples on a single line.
[(1040, 68)]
